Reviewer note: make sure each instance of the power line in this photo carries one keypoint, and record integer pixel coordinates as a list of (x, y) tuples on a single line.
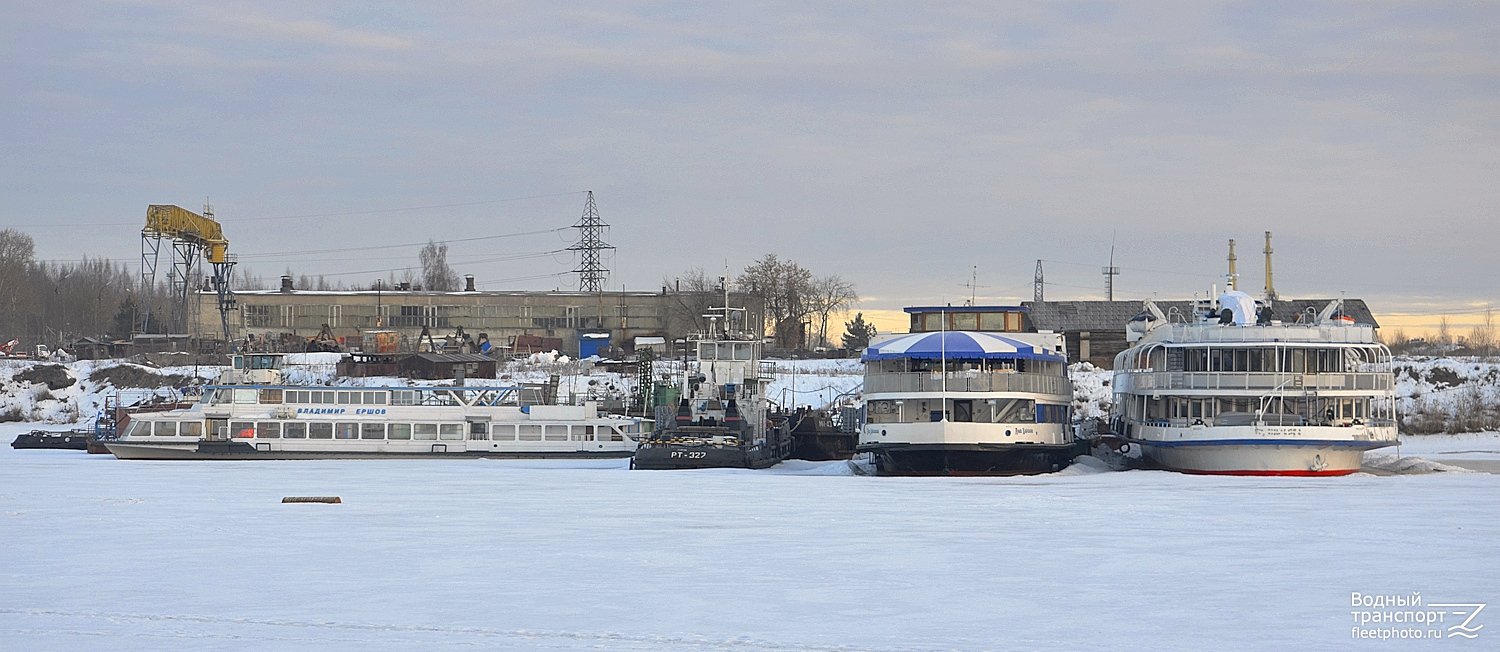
[(298, 217), (398, 246)]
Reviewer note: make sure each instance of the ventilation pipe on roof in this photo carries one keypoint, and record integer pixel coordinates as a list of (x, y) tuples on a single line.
[(468, 282), (286, 283)]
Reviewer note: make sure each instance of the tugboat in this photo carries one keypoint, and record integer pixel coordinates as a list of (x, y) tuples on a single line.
[(968, 402), (722, 420), (1234, 392)]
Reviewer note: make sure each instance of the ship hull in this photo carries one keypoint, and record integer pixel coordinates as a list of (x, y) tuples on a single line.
[(1287, 458), (971, 459), (51, 440), (665, 457)]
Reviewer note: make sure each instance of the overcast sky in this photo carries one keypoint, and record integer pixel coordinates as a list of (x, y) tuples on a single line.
[(898, 145)]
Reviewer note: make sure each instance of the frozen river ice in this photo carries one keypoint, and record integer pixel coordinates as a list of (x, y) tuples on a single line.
[(479, 554)]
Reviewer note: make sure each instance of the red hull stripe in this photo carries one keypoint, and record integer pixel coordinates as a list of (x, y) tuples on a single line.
[(1292, 473)]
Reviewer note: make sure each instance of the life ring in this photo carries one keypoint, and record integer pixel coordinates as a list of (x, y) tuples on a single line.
[(1125, 448)]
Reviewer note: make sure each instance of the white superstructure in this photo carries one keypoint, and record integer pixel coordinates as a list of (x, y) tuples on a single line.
[(1228, 391), (967, 403), (280, 421)]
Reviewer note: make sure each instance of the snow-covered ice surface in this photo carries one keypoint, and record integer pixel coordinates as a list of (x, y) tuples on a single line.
[(512, 555)]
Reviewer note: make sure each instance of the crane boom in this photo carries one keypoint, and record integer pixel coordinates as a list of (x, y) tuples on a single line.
[(178, 223), (192, 235)]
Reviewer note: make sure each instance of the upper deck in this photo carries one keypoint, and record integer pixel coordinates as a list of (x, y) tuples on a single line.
[(1178, 334)]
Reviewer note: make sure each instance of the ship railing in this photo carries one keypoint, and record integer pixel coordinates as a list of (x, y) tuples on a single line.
[(1286, 333), (1138, 382), (967, 381)]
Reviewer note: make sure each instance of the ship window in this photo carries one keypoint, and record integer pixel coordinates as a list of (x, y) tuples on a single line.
[(400, 431), (965, 321), (268, 430), (320, 431), (245, 396), (479, 430), (451, 431), (403, 397), (726, 351), (346, 431), (706, 351), (270, 396), (292, 396), (372, 431), (578, 434), (503, 433), (164, 428), (374, 398), (241, 429), (1016, 410), (531, 433), (424, 431), (239, 362), (294, 431), (556, 433), (191, 429), (138, 428)]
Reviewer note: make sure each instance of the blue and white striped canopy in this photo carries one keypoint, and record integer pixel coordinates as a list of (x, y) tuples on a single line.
[(957, 344)]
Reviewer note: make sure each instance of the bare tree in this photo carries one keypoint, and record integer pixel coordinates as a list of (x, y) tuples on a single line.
[(784, 287), (691, 297), (1482, 337), (436, 274), (829, 295), (16, 294), (1444, 335)]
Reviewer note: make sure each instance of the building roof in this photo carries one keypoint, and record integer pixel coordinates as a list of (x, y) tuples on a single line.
[(454, 357), (1112, 315), (965, 309), (956, 344)]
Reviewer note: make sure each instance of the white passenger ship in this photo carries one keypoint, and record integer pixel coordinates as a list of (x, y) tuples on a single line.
[(1232, 392), (257, 417), (968, 402)]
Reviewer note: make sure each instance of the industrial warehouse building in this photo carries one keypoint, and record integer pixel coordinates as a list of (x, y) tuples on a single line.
[(580, 320)]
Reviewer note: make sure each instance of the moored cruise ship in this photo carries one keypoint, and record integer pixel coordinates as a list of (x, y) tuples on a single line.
[(257, 417), (968, 402), (1229, 391)]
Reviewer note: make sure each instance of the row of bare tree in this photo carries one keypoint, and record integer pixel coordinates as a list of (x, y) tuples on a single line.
[(56, 302), (784, 299), (1481, 340)]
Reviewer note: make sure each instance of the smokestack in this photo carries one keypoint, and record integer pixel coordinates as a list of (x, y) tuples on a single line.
[(1270, 289), (468, 282), (286, 284), (1234, 278)]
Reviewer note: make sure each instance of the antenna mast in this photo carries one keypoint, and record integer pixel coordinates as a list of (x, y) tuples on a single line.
[(591, 270), (1109, 272)]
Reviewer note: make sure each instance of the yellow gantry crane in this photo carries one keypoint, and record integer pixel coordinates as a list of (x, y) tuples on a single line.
[(193, 237)]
